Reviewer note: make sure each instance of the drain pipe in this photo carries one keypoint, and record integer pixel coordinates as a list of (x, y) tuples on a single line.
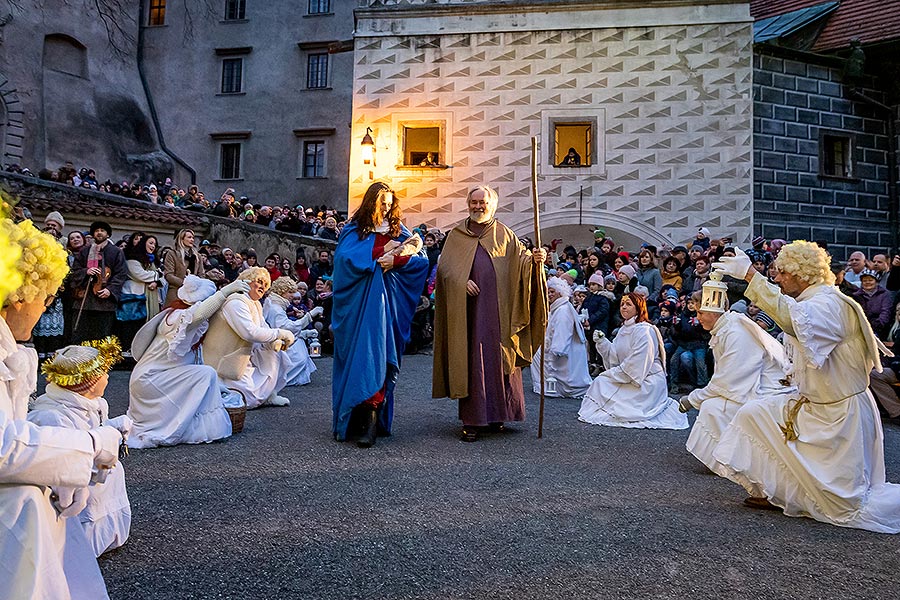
[(150, 104)]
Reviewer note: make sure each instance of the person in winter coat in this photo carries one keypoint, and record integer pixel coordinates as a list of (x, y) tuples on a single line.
[(877, 302), (691, 344), (648, 275), (671, 273)]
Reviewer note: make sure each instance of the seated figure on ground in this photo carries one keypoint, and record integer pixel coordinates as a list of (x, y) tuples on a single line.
[(566, 364), (76, 379), (820, 452), (632, 392), (299, 364), (244, 350), (749, 364), (175, 400)]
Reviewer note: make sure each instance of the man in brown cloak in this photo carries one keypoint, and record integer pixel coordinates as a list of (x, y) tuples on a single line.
[(490, 314)]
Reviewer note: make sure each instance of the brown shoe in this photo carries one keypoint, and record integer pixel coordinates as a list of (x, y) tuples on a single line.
[(760, 503)]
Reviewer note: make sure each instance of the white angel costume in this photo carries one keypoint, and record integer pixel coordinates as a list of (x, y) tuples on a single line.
[(633, 391), (107, 517), (241, 347), (298, 363), (818, 453), (567, 360), (37, 559), (174, 399), (750, 364)]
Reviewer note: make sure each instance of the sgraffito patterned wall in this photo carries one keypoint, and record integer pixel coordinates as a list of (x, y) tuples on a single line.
[(677, 113)]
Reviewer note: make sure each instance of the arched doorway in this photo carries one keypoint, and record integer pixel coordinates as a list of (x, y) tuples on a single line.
[(624, 230)]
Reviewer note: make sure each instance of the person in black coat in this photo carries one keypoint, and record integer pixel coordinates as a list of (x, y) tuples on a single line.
[(96, 281)]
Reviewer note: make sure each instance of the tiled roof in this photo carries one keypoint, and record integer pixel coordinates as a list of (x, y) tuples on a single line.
[(90, 207), (869, 20)]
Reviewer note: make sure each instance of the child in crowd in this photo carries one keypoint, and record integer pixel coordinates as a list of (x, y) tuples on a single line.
[(671, 273), (691, 342)]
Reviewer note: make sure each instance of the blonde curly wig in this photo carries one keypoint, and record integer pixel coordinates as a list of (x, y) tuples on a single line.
[(806, 261), (42, 264), (283, 285), (10, 253), (256, 274)]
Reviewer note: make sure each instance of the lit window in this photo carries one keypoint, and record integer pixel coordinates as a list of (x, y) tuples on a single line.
[(317, 71), (836, 155), (314, 158), (422, 145), (232, 74), (235, 10), (157, 15), (572, 144), (319, 7), (230, 161)]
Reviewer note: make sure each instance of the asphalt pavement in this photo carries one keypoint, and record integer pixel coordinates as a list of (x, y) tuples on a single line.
[(282, 511)]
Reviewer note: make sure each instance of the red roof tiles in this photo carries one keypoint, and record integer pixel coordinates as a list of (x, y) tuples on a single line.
[(869, 20), (168, 216)]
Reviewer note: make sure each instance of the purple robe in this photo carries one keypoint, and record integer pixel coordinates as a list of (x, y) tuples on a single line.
[(493, 397)]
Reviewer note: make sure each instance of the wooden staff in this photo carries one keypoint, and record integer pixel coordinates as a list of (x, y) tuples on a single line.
[(541, 276)]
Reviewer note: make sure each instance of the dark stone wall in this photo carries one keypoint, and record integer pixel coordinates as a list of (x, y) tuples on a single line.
[(795, 99)]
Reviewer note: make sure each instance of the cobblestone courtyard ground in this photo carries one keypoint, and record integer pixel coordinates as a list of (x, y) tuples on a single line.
[(282, 511)]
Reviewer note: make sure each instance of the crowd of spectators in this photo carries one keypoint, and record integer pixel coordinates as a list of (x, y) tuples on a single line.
[(670, 278), (313, 220)]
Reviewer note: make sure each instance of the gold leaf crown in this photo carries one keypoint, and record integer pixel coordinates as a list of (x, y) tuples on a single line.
[(69, 367)]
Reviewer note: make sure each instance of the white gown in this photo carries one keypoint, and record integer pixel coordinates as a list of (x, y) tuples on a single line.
[(834, 470), (266, 373), (174, 400), (37, 558), (299, 365), (749, 364), (106, 519), (633, 391), (567, 361)]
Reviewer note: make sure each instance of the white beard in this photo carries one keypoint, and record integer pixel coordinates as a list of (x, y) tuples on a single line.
[(480, 218)]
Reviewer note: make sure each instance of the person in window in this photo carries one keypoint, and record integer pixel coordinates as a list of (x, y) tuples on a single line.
[(429, 161), (572, 159)]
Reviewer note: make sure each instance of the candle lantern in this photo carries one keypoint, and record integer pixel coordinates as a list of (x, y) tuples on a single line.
[(715, 294)]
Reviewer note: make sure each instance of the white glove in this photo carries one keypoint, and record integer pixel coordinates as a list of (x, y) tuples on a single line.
[(285, 337), (684, 404), (236, 286), (598, 335), (309, 334), (315, 312), (122, 423), (69, 501), (735, 266), (106, 446)]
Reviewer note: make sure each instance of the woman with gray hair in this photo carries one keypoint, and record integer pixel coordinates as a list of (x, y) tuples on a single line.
[(566, 362)]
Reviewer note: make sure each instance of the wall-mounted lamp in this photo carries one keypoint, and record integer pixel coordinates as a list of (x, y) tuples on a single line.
[(368, 148)]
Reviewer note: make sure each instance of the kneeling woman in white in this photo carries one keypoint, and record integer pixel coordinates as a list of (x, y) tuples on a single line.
[(632, 392), (567, 360), (76, 379), (298, 364), (175, 400)]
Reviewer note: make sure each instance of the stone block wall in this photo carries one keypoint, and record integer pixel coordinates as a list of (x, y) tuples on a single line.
[(795, 100)]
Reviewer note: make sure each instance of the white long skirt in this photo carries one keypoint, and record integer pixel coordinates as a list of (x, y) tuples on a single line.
[(646, 406), (833, 472), (300, 366)]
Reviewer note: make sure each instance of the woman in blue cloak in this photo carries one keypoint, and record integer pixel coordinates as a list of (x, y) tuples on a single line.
[(379, 273)]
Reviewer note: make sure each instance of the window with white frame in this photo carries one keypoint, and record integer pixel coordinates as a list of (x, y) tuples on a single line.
[(313, 158), (317, 70), (232, 75), (319, 7), (573, 138), (230, 160), (235, 10)]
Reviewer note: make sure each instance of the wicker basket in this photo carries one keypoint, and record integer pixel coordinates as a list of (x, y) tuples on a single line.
[(237, 415)]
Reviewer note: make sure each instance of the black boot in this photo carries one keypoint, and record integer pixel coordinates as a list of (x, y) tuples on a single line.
[(369, 421)]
